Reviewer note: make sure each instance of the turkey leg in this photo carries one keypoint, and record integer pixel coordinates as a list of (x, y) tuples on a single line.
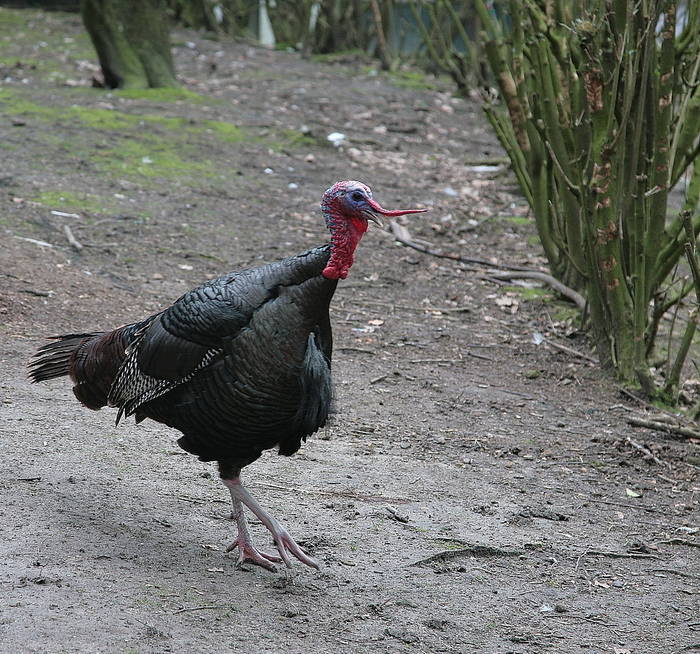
[(285, 544), (246, 550)]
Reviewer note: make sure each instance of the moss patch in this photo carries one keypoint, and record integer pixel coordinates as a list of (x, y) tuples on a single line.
[(161, 95), (411, 79), (529, 292), (517, 220), (145, 146), (75, 201)]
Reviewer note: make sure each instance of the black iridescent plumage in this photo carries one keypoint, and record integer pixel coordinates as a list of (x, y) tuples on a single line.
[(239, 364)]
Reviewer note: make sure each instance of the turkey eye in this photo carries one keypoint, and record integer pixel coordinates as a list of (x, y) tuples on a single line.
[(357, 196)]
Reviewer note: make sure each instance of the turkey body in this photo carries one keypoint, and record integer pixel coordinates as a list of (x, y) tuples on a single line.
[(239, 364)]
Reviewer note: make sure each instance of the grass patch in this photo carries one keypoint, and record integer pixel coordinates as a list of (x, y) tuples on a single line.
[(12, 18), (412, 79), (136, 145), (152, 158), (177, 94), (517, 220), (529, 292), (565, 313), (74, 201), (227, 132)]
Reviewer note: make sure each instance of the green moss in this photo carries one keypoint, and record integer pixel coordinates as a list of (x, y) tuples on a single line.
[(152, 158), (13, 103), (227, 132), (517, 220), (565, 313), (161, 95), (12, 18), (411, 79), (448, 543), (74, 201), (528, 292), (290, 138)]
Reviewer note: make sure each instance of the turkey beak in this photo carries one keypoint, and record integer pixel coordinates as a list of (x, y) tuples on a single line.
[(377, 211)]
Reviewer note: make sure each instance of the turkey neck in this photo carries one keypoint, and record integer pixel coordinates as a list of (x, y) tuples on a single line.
[(346, 234)]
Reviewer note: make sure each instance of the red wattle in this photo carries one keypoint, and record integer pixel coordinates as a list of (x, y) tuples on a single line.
[(345, 237)]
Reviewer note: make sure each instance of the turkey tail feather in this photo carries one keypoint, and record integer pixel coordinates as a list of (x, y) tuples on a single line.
[(54, 359), (90, 360)]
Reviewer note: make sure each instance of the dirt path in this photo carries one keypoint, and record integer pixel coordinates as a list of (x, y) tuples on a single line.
[(476, 492)]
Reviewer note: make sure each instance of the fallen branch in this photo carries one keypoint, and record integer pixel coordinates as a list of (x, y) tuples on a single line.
[(355, 349), (676, 572), (403, 236), (639, 507), (647, 452), (620, 555), (564, 290), (570, 350), (75, 244), (678, 541), (199, 608), (660, 426)]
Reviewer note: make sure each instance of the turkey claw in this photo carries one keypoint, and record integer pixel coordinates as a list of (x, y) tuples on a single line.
[(287, 545), (248, 553)]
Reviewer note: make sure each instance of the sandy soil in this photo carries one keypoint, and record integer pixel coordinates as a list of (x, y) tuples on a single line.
[(475, 492)]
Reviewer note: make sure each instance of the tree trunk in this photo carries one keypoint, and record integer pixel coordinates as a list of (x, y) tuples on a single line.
[(132, 42)]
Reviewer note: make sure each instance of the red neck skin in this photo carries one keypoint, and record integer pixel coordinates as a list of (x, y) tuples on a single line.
[(345, 237)]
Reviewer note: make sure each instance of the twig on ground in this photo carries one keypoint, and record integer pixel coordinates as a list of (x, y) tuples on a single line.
[(678, 541), (398, 516), (199, 608), (570, 350), (414, 307), (403, 236), (355, 349), (75, 244), (676, 572), (564, 290), (660, 426), (646, 451), (621, 555), (639, 507)]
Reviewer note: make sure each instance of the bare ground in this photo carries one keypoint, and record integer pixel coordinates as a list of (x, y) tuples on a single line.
[(476, 492)]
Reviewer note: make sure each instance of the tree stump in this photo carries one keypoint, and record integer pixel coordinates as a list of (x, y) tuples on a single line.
[(132, 42)]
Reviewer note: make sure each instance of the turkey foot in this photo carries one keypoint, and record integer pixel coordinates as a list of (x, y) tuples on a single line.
[(285, 544), (246, 550)]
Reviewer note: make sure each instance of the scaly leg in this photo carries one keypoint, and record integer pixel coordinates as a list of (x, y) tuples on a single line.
[(283, 541), (244, 543)]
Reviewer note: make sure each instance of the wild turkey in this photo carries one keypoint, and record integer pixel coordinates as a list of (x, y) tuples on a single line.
[(239, 365)]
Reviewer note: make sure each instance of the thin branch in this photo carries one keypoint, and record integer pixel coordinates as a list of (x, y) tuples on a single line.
[(402, 235), (75, 244), (646, 452), (564, 290), (659, 426)]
